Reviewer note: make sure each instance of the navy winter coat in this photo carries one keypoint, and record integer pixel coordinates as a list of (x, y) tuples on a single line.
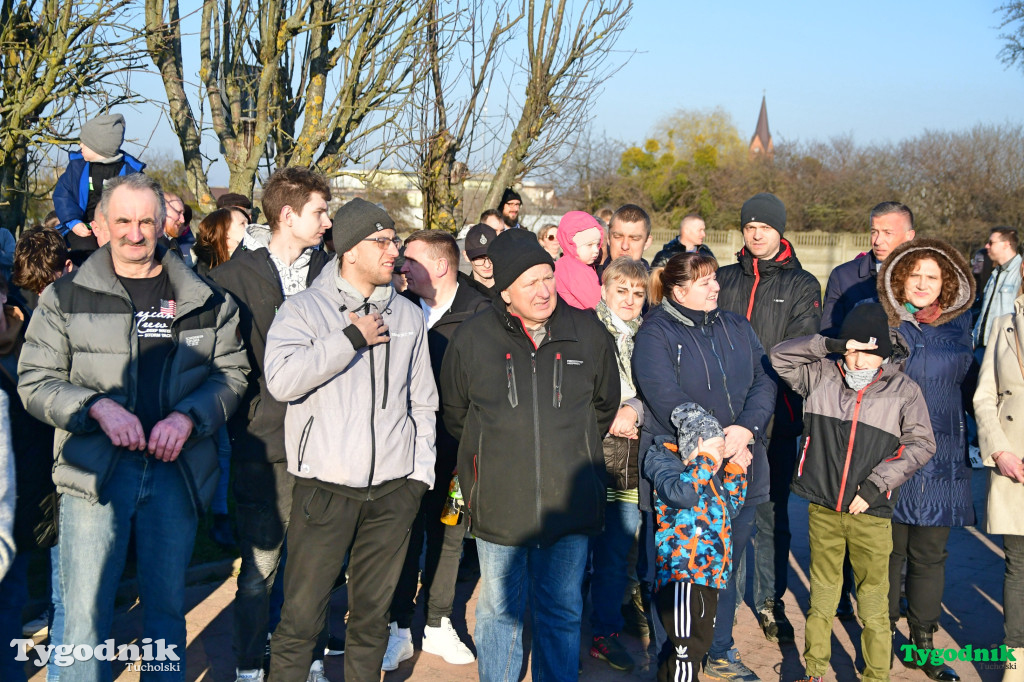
[(939, 493), (850, 283), (71, 195), (712, 359)]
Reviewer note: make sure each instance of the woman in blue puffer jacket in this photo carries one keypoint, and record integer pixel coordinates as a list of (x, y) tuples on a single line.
[(688, 350), (926, 286)]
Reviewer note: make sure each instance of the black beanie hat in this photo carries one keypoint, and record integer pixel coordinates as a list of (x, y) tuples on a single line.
[(764, 208), (512, 253), (357, 220), (865, 321), (509, 195)]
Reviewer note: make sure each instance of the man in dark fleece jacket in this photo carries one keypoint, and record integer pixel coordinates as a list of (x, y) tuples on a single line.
[(295, 201), (530, 387), (782, 301)]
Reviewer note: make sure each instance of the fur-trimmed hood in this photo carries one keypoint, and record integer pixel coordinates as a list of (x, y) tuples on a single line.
[(938, 249)]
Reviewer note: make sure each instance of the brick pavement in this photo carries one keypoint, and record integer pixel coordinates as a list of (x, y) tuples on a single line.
[(972, 614)]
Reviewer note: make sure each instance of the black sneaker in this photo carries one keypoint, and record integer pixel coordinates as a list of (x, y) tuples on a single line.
[(610, 649), (774, 623), (335, 646)]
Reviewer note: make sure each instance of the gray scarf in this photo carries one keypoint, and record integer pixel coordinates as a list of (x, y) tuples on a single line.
[(857, 379)]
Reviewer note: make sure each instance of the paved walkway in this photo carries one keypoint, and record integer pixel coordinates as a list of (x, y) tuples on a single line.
[(972, 614)]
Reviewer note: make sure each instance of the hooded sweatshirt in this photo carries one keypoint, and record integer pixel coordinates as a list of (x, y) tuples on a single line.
[(576, 283)]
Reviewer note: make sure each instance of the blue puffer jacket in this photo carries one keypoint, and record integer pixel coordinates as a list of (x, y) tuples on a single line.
[(712, 359), (71, 195), (939, 493)]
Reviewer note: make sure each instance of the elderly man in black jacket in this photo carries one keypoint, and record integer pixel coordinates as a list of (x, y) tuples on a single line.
[(530, 387), (782, 301)]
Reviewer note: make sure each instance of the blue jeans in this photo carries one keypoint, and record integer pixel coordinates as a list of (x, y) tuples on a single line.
[(93, 546), (13, 596), (609, 556), (57, 610), (742, 528), (773, 539), (552, 578)]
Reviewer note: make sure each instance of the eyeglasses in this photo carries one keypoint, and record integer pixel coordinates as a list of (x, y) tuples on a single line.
[(481, 259), (551, 237), (383, 242)]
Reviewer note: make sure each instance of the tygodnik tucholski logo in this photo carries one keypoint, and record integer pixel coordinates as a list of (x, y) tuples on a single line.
[(1001, 658), (151, 656)]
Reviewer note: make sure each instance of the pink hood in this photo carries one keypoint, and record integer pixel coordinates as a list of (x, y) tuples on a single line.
[(576, 283)]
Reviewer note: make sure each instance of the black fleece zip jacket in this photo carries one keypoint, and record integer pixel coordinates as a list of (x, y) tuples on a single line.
[(529, 421), (257, 427)]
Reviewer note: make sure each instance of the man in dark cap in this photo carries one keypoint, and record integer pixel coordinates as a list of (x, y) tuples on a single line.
[(509, 206), (782, 301), (349, 357), (479, 237), (530, 388)]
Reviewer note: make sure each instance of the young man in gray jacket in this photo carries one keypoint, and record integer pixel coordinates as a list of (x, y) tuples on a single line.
[(350, 358)]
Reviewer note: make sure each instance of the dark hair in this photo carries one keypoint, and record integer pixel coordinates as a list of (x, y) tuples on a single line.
[(679, 271), (442, 245), (212, 235), (39, 257), (3, 287), (234, 199), (887, 207), (950, 290), (291, 187), (491, 212), (51, 219), (186, 213), (1009, 234), (631, 213)]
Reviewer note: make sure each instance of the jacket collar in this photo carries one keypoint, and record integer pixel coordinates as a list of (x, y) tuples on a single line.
[(688, 317), (97, 274), (785, 259), (560, 326)]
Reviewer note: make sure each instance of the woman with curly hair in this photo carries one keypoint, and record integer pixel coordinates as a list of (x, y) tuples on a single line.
[(219, 235), (926, 286)]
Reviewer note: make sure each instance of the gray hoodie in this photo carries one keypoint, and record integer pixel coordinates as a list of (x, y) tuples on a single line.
[(356, 418)]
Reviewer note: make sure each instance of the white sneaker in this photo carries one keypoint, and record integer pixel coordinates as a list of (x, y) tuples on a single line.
[(399, 648), (316, 672), (248, 675), (443, 641), (40, 626)]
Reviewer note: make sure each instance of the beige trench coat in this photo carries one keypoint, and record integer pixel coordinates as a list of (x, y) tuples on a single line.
[(999, 411)]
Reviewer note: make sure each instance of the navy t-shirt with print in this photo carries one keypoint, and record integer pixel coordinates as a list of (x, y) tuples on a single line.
[(153, 298)]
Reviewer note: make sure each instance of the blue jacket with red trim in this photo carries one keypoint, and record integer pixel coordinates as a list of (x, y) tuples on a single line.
[(866, 442)]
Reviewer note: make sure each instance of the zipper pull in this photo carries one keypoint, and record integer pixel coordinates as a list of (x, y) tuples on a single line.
[(558, 380)]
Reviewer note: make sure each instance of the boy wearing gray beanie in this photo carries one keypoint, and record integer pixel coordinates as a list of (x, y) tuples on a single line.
[(80, 187), (695, 505)]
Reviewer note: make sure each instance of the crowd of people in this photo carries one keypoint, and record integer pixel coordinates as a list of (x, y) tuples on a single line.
[(569, 421)]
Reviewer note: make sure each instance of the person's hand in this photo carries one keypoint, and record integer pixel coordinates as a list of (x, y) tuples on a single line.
[(81, 229), (372, 328), (624, 424), (743, 459), (858, 505), (168, 435), (853, 344), (121, 426), (736, 439), (1009, 465)]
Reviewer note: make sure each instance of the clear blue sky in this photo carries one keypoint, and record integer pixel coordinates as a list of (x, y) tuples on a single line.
[(881, 71)]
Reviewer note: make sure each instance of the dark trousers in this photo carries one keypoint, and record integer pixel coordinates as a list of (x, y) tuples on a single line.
[(263, 505), (771, 544), (440, 568), (324, 527), (687, 612), (924, 550)]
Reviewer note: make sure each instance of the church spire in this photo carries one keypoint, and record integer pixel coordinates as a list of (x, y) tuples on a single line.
[(761, 142)]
